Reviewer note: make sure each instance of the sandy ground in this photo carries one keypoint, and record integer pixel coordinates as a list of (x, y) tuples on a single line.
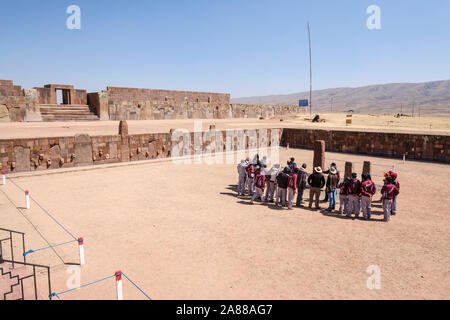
[(180, 232), (431, 125)]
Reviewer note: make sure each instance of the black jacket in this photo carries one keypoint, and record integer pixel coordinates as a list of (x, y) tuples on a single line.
[(302, 177), (282, 180), (316, 180)]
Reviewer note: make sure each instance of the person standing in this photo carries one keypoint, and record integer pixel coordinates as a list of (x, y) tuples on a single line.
[(302, 178), (259, 185), (343, 196), (271, 178), (251, 179), (388, 192), (395, 182), (291, 164), (333, 165), (316, 181), (332, 183), (292, 187), (368, 189), (354, 193), (242, 172), (282, 182)]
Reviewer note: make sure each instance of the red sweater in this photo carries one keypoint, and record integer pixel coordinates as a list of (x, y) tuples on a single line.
[(389, 191), (292, 182), (354, 187), (368, 188), (343, 189), (251, 171)]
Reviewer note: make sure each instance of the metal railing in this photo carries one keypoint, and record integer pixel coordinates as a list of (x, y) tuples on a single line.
[(10, 239), (14, 262), (21, 279)]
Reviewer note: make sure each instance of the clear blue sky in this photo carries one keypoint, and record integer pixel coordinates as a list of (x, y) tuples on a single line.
[(244, 47)]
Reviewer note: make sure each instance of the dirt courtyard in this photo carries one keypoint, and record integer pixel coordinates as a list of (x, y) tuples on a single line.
[(333, 121), (180, 232)]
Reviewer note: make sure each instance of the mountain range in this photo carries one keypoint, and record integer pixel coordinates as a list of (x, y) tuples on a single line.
[(428, 98)]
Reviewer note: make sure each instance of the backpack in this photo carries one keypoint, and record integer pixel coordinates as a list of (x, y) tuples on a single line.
[(259, 181)]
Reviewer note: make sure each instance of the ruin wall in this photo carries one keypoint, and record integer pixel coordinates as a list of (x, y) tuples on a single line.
[(33, 154), (426, 147)]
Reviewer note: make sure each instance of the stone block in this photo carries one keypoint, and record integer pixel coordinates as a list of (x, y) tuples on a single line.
[(319, 154), (22, 156), (83, 150)]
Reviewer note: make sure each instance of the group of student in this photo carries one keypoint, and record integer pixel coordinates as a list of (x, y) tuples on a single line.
[(283, 185)]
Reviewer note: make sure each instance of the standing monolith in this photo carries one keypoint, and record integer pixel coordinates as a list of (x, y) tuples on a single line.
[(124, 145), (319, 153), (366, 167), (348, 169)]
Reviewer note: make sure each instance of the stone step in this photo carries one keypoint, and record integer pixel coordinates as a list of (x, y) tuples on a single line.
[(72, 112), (69, 118), (67, 113)]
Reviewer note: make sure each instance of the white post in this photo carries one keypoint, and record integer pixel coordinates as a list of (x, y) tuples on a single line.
[(3, 177), (81, 247), (404, 159), (288, 146), (119, 285), (27, 199)]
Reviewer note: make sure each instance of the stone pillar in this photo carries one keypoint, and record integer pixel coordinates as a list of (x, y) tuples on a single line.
[(319, 154), (83, 150), (124, 144), (348, 169), (366, 167)]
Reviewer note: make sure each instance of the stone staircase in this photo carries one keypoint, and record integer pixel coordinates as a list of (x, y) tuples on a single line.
[(68, 112), (16, 283)]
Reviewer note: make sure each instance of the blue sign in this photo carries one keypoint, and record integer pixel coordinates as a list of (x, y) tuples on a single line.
[(303, 103)]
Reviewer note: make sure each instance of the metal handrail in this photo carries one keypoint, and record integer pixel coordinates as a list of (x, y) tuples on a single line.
[(29, 276), (10, 238)]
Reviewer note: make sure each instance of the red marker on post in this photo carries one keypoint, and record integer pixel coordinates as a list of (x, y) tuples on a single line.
[(27, 199), (81, 247), (119, 285)]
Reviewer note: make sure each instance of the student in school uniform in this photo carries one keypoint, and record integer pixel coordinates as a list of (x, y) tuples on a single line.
[(388, 192), (343, 196), (292, 187), (259, 185), (395, 182), (354, 194), (251, 178), (368, 189)]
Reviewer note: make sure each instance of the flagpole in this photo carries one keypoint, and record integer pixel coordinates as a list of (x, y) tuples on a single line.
[(310, 72)]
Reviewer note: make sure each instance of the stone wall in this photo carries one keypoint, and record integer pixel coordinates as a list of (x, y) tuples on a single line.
[(132, 104), (131, 94), (22, 155), (395, 145), (19, 155), (12, 102)]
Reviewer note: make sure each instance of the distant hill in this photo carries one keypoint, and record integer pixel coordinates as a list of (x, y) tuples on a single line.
[(431, 97)]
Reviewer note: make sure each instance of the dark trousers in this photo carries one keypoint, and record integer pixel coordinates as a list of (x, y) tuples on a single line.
[(300, 191)]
